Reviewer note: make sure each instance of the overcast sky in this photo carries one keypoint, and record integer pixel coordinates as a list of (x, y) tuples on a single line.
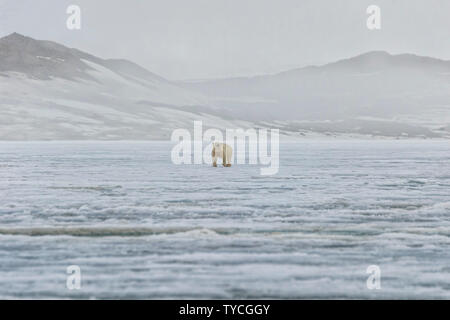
[(193, 39)]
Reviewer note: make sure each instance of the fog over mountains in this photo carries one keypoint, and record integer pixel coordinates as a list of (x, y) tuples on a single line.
[(51, 92), (374, 93)]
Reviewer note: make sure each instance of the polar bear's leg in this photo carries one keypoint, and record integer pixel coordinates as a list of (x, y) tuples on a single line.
[(229, 154), (224, 155), (214, 157)]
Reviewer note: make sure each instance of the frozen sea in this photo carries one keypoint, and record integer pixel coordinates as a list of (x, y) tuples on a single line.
[(141, 227)]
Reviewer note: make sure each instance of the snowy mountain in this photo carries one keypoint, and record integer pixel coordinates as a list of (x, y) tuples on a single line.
[(375, 93), (52, 92)]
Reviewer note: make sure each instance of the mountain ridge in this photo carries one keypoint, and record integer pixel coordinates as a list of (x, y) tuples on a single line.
[(45, 59), (339, 62), (52, 92)]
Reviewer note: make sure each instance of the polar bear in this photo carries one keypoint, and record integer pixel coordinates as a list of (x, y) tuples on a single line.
[(221, 150)]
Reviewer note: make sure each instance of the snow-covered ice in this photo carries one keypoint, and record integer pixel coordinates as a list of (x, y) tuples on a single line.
[(142, 227)]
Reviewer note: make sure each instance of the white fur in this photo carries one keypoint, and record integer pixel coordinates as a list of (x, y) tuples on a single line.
[(218, 152)]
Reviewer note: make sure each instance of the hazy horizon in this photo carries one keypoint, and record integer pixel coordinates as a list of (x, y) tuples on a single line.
[(217, 39)]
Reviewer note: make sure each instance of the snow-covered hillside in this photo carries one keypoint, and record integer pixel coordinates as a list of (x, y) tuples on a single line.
[(52, 92), (375, 93)]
